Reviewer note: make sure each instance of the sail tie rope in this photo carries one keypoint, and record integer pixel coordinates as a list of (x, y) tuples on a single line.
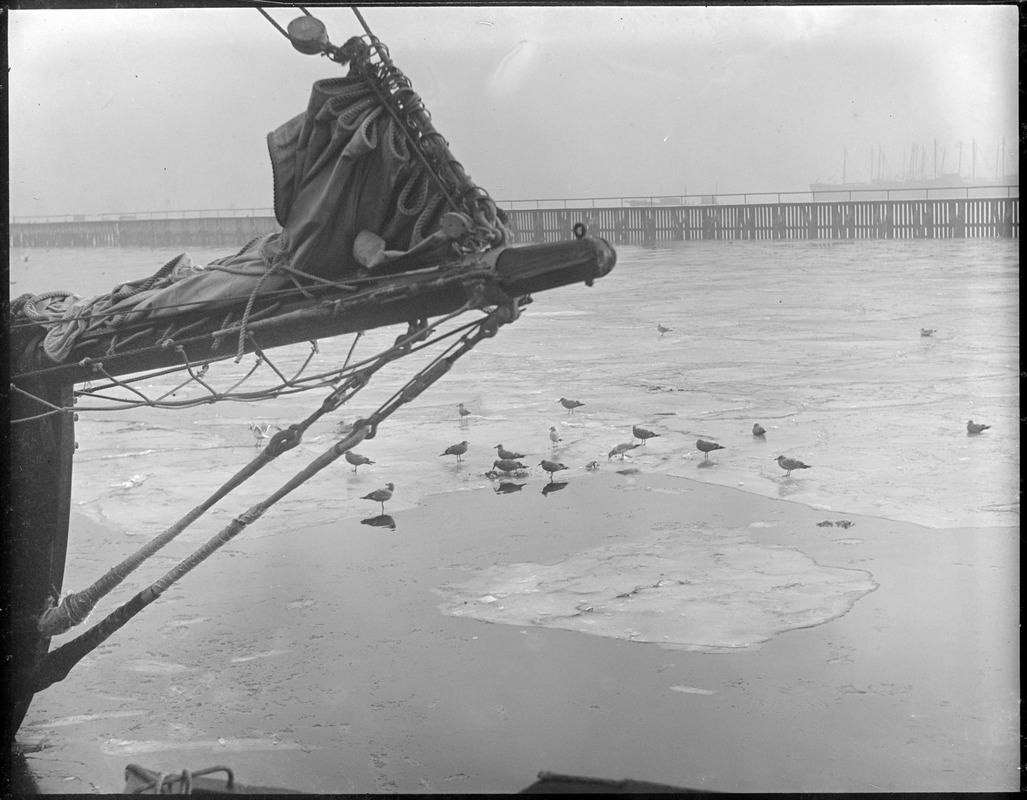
[(58, 663)]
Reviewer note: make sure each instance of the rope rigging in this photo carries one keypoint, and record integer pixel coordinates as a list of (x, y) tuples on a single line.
[(380, 290), (191, 338), (58, 663)]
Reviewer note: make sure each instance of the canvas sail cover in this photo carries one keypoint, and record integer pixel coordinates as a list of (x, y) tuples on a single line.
[(340, 168)]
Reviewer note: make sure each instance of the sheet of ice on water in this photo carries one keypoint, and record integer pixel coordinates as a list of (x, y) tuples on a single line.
[(698, 588)]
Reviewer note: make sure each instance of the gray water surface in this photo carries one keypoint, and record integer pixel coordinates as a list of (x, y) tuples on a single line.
[(277, 657)]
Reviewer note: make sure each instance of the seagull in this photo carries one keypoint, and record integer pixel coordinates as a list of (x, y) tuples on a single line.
[(463, 411), (506, 454), (789, 464), (456, 450), (570, 405), (620, 450), (927, 331), (508, 464), (592, 465), (131, 483), (976, 427), (356, 459), (551, 467), (380, 495), (758, 430), (554, 437), (708, 447), (642, 433), (261, 432), (662, 329)]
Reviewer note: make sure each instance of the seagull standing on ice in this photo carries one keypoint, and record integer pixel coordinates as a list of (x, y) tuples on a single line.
[(554, 437), (380, 495), (570, 405), (463, 411), (927, 331), (789, 464), (261, 432), (976, 427), (707, 448), (456, 450), (758, 430), (508, 464), (662, 329), (551, 467), (642, 433), (507, 454), (620, 450), (356, 459)]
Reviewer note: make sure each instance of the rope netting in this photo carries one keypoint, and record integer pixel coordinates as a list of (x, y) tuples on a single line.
[(124, 393)]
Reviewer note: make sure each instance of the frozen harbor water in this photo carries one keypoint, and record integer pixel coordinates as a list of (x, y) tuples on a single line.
[(817, 341), (311, 653)]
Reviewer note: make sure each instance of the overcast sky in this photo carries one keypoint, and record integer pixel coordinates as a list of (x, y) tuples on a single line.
[(153, 110)]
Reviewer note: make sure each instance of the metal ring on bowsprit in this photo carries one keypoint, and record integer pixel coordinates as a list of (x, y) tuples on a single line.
[(580, 230)]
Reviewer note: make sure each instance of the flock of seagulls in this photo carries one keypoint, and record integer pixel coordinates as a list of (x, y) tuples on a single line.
[(508, 461)]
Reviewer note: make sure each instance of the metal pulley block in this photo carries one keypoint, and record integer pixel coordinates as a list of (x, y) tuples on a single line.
[(308, 35)]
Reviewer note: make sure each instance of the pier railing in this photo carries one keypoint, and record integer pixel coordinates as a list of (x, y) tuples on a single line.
[(764, 198), (955, 212)]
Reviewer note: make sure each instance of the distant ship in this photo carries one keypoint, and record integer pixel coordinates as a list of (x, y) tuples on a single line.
[(950, 181), (915, 178)]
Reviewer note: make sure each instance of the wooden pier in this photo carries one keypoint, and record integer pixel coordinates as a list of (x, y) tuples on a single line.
[(950, 218), (889, 219), (149, 231)]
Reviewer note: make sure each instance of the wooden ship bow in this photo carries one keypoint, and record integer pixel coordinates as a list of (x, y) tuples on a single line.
[(380, 226)]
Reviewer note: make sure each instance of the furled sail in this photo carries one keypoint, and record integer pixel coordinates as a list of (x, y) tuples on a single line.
[(345, 174)]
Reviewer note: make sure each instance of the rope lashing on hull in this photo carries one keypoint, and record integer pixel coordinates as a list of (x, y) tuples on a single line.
[(58, 663), (74, 608)]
